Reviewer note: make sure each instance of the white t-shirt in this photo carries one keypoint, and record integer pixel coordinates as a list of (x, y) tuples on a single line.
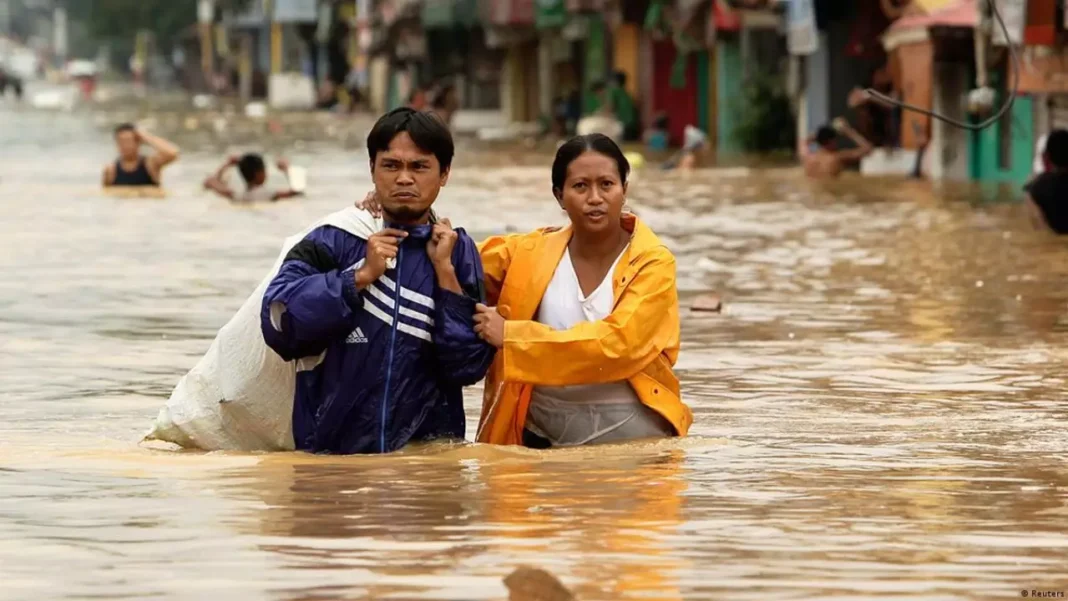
[(577, 415), (276, 182)]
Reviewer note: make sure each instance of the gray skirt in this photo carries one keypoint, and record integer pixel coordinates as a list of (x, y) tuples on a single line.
[(611, 413)]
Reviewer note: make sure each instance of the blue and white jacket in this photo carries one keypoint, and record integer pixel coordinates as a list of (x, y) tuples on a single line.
[(380, 367)]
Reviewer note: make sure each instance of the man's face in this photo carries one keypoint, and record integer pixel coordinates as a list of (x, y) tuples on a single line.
[(127, 143), (407, 180)]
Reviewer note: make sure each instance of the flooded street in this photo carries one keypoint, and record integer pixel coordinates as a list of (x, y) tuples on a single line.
[(878, 412)]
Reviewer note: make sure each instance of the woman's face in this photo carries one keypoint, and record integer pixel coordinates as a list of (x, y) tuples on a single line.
[(594, 193)]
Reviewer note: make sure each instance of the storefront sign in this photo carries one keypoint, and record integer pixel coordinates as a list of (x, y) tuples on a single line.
[(1041, 29), (206, 11), (550, 13), (1045, 74), (296, 11), (802, 36), (363, 11), (511, 12)]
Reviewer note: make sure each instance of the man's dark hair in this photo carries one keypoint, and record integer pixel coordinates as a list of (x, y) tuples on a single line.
[(250, 166), (1057, 148), (621, 78), (427, 131), (125, 127), (825, 135), (598, 86)]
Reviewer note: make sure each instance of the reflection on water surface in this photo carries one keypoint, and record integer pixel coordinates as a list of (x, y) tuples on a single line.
[(878, 411)]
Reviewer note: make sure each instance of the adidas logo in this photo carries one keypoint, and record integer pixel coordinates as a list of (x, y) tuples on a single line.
[(356, 337)]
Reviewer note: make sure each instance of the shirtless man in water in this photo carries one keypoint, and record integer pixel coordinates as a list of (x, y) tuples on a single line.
[(253, 170), (827, 161), (132, 169)]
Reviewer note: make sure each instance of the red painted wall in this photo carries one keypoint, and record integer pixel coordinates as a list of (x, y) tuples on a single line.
[(679, 104)]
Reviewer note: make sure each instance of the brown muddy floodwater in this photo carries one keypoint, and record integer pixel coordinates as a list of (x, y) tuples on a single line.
[(880, 411)]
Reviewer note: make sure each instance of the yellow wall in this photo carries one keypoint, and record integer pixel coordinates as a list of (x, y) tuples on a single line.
[(626, 44), (932, 5), (276, 47)]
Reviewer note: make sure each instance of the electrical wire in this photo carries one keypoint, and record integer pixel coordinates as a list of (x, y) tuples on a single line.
[(969, 126)]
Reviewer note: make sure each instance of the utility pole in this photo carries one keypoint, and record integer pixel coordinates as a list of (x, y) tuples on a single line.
[(205, 19), (5, 17)]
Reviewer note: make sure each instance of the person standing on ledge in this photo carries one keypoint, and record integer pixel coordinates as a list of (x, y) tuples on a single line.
[(133, 169)]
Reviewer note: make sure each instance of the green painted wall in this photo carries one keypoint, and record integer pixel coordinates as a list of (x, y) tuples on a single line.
[(984, 147), (595, 63), (729, 74)]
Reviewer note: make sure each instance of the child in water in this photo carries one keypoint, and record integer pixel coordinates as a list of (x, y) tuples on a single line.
[(253, 171), (657, 137)]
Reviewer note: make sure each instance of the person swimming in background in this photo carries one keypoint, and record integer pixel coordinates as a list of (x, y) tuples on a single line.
[(253, 170), (827, 161), (133, 169)]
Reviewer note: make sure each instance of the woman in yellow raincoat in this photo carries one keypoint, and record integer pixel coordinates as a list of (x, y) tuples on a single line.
[(586, 317)]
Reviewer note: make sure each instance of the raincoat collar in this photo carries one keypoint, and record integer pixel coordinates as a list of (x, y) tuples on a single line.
[(415, 232), (551, 253)]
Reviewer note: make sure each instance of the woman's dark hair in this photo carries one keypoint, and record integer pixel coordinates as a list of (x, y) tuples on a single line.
[(579, 145), (428, 132), (250, 166)]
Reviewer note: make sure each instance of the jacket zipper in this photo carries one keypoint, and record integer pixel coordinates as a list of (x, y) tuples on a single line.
[(392, 342)]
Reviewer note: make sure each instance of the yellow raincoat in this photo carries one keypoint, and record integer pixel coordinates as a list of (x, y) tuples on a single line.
[(638, 342)]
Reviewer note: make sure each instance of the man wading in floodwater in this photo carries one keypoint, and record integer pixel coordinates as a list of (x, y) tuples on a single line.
[(827, 161), (383, 328), (133, 169)]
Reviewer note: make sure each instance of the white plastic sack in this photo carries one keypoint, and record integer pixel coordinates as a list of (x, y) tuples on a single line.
[(693, 138), (240, 395)]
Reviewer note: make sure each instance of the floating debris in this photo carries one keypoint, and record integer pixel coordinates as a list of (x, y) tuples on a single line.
[(535, 584), (256, 110), (710, 303)]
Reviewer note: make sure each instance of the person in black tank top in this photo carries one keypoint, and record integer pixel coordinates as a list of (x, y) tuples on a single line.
[(138, 177), (132, 169)]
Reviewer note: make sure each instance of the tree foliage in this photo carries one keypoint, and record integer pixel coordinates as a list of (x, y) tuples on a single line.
[(120, 20), (765, 121)]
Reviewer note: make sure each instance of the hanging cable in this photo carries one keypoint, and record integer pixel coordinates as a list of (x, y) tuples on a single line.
[(961, 124)]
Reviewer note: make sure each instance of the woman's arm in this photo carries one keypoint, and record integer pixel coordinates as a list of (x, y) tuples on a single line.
[(496, 253), (644, 323)]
